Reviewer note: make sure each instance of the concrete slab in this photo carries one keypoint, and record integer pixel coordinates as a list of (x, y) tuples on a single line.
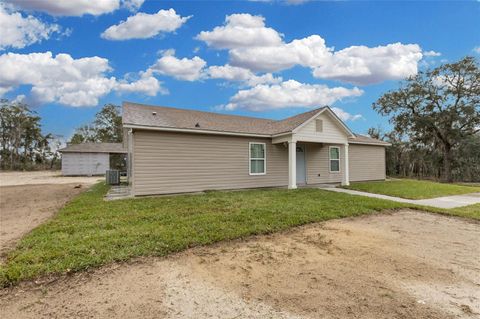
[(439, 202)]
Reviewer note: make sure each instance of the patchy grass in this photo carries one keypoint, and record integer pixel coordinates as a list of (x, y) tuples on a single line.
[(90, 232), (413, 189), (471, 211)]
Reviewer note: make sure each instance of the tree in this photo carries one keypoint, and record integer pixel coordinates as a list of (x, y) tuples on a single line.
[(22, 143), (439, 107), (107, 127)]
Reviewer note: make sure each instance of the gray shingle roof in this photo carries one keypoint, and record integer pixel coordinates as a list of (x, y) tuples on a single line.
[(94, 148), (169, 117), (363, 139)]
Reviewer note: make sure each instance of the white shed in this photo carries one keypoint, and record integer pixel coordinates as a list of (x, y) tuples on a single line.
[(88, 158)]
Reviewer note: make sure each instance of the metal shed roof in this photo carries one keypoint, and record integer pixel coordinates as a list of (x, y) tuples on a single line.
[(94, 148)]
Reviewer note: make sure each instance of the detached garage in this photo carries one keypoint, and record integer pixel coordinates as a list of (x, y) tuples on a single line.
[(90, 158)]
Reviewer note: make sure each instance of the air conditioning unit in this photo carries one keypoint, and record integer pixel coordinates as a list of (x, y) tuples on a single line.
[(112, 177)]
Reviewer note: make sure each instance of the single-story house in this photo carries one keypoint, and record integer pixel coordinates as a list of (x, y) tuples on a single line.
[(88, 158), (173, 150)]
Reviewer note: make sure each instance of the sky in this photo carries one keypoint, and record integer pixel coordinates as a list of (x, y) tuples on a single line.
[(270, 59)]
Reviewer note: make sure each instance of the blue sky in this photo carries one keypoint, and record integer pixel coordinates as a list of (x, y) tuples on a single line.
[(267, 59)]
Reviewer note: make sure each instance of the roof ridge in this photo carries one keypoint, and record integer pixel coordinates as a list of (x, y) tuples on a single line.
[(199, 111)]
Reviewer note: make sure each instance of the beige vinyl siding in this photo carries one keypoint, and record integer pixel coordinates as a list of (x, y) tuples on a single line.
[(167, 162), (367, 162), (331, 131), (318, 164)]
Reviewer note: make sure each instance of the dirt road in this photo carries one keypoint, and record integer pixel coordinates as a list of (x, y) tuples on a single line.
[(28, 199), (402, 265)]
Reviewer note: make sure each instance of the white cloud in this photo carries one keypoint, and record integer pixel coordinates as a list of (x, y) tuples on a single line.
[(132, 5), (181, 69), (17, 31), (65, 80), (308, 52), (363, 65), (144, 26), (345, 116), (289, 94), (476, 50), (147, 84), (254, 46), (68, 7), (236, 74), (241, 30), (431, 53)]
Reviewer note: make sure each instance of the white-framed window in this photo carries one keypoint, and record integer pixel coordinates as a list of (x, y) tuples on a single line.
[(334, 152), (257, 158)]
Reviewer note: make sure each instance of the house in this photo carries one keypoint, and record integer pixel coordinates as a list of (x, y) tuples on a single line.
[(175, 150), (89, 158)]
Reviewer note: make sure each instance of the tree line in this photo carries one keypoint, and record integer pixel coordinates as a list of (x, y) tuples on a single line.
[(436, 124), (23, 146), (435, 118)]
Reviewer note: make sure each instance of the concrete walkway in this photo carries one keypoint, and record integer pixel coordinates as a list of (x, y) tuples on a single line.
[(439, 202)]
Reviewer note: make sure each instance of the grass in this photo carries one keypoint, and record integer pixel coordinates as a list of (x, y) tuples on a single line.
[(90, 232), (413, 189)]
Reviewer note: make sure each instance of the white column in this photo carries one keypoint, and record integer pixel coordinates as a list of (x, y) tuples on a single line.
[(346, 177), (292, 165)]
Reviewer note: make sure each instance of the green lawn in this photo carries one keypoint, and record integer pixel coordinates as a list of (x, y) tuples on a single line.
[(413, 189), (89, 232)]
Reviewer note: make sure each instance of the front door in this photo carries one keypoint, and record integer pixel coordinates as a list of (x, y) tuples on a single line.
[(301, 174)]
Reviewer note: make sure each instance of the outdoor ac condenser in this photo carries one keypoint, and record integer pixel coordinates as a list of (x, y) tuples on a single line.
[(112, 177)]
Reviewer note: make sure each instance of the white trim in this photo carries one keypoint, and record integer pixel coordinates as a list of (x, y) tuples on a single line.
[(185, 130), (367, 143), (326, 108), (346, 174), (257, 158), (330, 159), (292, 164), (309, 120)]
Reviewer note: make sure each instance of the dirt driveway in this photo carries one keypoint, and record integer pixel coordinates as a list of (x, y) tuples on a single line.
[(402, 265), (27, 199)]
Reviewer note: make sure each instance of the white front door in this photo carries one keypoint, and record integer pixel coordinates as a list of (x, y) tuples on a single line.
[(301, 174)]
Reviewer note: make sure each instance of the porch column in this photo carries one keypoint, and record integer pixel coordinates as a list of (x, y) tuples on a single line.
[(292, 164), (346, 177)]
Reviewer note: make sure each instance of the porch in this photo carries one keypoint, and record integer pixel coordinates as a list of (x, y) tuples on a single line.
[(316, 162)]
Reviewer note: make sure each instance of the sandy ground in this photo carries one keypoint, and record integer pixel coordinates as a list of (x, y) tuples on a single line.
[(43, 177), (402, 265), (30, 199)]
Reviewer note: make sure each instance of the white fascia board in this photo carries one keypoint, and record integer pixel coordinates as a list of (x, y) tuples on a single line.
[(183, 130)]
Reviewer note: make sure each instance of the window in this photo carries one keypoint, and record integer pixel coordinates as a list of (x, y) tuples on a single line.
[(334, 159), (258, 162), (319, 125)]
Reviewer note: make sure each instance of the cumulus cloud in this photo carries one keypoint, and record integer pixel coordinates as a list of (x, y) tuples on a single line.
[(431, 53), (65, 80), (345, 116), (70, 7), (132, 5), (254, 46), (309, 52), (181, 69), (289, 94), (236, 74), (476, 50), (18, 31), (363, 65), (144, 25), (240, 31)]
